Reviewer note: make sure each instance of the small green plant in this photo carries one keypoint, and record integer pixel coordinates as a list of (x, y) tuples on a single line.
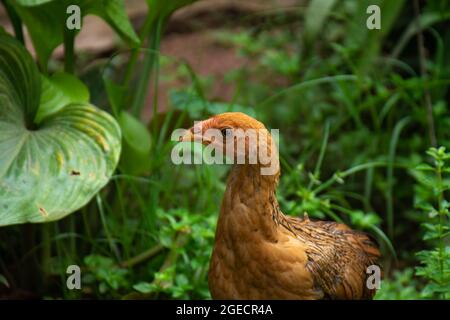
[(431, 193), (105, 272), (402, 285), (189, 238)]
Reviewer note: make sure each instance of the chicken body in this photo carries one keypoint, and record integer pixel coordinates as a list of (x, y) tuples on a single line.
[(260, 253)]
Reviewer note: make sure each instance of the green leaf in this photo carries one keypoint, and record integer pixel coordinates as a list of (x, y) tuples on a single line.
[(426, 20), (162, 9), (134, 132), (115, 14), (53, 169), (137, 144), (4, 281), (16, 66), (58, 91), (425, 167), (46, 21), (144, 287), (315, 16), (116, 95), (364, 220)]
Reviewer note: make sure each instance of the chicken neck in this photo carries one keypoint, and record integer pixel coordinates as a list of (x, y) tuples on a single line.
[(250, 206)]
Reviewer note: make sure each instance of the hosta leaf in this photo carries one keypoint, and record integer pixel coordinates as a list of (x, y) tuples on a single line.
[(58, 91), (50, 170), (16, 67)]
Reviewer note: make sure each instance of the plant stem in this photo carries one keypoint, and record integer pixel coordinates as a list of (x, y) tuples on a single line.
[(135, 54), (46, 254), (421, 48), (348, 172), (308, 84), (15, 21), (157, 43), (112, 245), (180, 240), (323, 148), (390, 174), (142, 256), (441, 220)]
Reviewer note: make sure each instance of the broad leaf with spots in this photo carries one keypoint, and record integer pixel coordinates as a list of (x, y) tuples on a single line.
[(56, 150)]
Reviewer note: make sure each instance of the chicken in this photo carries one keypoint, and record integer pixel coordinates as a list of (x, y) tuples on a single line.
[(260, 253)]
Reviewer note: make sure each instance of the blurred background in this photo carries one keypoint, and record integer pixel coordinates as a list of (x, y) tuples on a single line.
[(362, 114)]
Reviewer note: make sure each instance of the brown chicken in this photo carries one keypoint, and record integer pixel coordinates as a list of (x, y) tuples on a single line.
[(259, 252)]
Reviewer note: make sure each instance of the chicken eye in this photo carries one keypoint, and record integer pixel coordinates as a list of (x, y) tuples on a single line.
[(226, 132)]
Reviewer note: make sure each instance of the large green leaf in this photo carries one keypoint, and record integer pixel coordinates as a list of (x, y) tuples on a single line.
[(46, 20), (52, 169), (18, 71)]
